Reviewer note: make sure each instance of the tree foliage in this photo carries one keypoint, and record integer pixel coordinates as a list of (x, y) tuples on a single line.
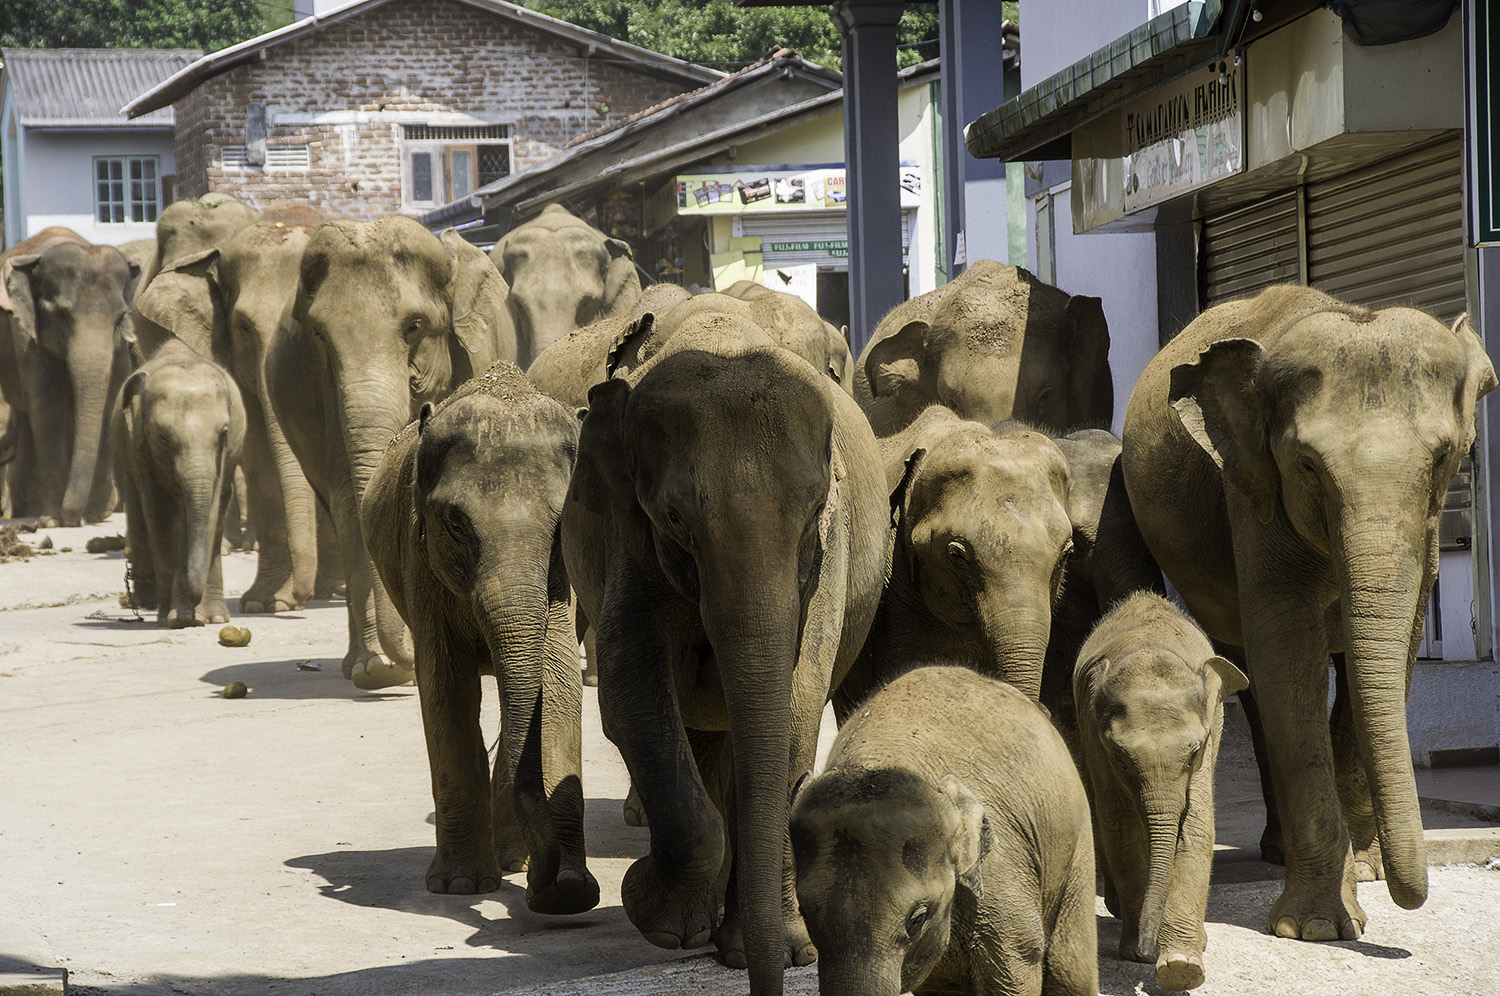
[(205, 24), (720, 34)]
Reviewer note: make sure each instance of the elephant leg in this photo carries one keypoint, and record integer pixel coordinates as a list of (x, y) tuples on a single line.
[(590, 668), (100, 502), (214, 609), (140, 566), (1272, 847), (672, 895), (1287, 646), (330, 577), (275, 486), (20, 473), (1011, 944), (1181, 937), (449, 691), (50, 417)]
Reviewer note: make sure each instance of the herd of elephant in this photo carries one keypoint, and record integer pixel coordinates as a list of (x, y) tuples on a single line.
[(499, 456)]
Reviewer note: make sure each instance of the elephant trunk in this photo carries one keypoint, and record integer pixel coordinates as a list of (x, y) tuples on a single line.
[(841, 975), (1163, 816), (200, 511), (1016, 625), (752, 620), (93, 382), (1381, 584)]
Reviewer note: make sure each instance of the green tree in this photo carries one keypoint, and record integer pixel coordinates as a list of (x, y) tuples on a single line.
[(206, 24), (720, 34)]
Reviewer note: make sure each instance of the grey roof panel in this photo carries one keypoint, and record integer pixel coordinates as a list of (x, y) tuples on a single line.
[(74, 86)]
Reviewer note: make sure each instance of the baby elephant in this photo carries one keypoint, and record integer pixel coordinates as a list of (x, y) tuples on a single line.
[(1149, 694), (943, 854), (178, 428)]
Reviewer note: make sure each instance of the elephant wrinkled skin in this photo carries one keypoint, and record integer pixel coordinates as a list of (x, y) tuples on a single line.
[(940, 855), (1149, 693), (462, 519), (727, 537), (1287, 457)]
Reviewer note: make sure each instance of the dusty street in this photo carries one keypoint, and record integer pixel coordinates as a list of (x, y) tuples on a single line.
[(158, 838)]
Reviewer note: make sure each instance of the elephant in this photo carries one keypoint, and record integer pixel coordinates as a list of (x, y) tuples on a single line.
[(937, 854), (178, 426), (1149, 693), (982, 537), (1287, 457), (462, 521), (563, 273), (727, 537), (63, 362), (800, 328), (992, 344), (386, 317), (226, 299)]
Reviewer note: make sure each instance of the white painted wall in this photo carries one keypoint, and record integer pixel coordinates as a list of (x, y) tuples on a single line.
[(1453, 705), (58, 185), (917, 120)]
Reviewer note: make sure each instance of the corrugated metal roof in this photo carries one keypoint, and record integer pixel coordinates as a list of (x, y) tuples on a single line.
[(88, 86)]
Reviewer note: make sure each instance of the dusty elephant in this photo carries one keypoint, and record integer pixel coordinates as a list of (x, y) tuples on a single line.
[(993, 344), (178, 428), (725, 533), (799, 328), (226, 299), (982, 537), (1287, 457), (64, 358), (386, 317), (563, 273), (940, 854), (1149, 693), (462, 520)]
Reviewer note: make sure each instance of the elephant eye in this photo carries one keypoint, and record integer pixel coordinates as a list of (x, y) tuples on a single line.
[(414, 327), (958, 551), (917, 919), (674, 518), (1440, 457), (456, 523)]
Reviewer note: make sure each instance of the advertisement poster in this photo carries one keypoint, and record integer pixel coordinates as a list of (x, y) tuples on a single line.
[(777, 190)]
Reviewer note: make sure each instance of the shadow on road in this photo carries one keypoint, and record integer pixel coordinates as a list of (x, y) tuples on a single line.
[(299, 678)]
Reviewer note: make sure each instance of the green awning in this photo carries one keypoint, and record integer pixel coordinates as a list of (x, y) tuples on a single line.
[(1037, 123)]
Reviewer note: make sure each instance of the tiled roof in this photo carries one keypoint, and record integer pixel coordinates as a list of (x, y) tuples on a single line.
[(80, 86)]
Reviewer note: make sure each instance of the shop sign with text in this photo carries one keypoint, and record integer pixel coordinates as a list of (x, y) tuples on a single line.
[(776, 190), (1184, 135)]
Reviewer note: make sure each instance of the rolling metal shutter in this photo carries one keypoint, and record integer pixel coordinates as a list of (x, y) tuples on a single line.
[(789, 239), (1247, 250), (1393, 232)]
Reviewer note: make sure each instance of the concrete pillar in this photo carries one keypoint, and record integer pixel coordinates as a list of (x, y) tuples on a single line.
[(872, 161)]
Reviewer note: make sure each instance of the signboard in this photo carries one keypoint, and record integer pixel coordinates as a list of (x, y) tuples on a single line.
[(1482, 35), (777, 190), (801, 281), (1184, 135)]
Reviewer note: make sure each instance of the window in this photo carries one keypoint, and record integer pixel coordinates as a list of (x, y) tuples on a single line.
[(127, 190), (447, 163)]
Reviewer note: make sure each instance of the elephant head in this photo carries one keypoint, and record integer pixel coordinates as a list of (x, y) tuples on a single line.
[(994, 344), (562, 273), (883, 856), (188, 227), (983, 535), (795, 325), (70, 313), (1341, 434)]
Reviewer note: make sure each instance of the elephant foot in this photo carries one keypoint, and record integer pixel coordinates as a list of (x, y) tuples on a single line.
[(373, 672), (1180, 970), (729, 938), (1129, 947), (324, 588), (49, 522), (590, 679), (462, 874), (574, 890), (1272, 850), (635, 813), (270, 596), (667, 913), (1368, 866), (178, 619), (1307, 913)]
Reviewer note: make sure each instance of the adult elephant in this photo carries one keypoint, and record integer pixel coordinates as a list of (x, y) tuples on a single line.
[(386, 317), (725, 531), (1287, 457), (226, 299), (563, 273), (68, 308), (993, 344), (800, 328)]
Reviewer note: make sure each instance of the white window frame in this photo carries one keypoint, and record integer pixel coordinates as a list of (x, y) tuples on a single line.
[(128, 189), (441, 142)]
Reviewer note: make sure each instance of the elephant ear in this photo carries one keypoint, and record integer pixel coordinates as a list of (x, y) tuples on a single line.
[(972, 838), (1091, 388), (622, 288), (902, 489), (131, 409), (603, 479), (18, 284), (897, 363), (1479, 378), (476, 299), (184, 299), (1231, 678), (1218, 401), (631, 340)]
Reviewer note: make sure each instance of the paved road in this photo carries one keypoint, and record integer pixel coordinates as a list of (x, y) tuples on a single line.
[(157, 838)]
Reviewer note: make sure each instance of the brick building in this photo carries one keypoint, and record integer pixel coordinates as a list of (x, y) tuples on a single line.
[(386, 106)]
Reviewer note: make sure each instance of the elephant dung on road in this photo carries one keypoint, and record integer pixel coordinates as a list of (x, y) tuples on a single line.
[(992, 344), (725, 531), (178, 429), (462, 520), (946, 847), (1149, 693), (1287, 457), (563, 273)]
